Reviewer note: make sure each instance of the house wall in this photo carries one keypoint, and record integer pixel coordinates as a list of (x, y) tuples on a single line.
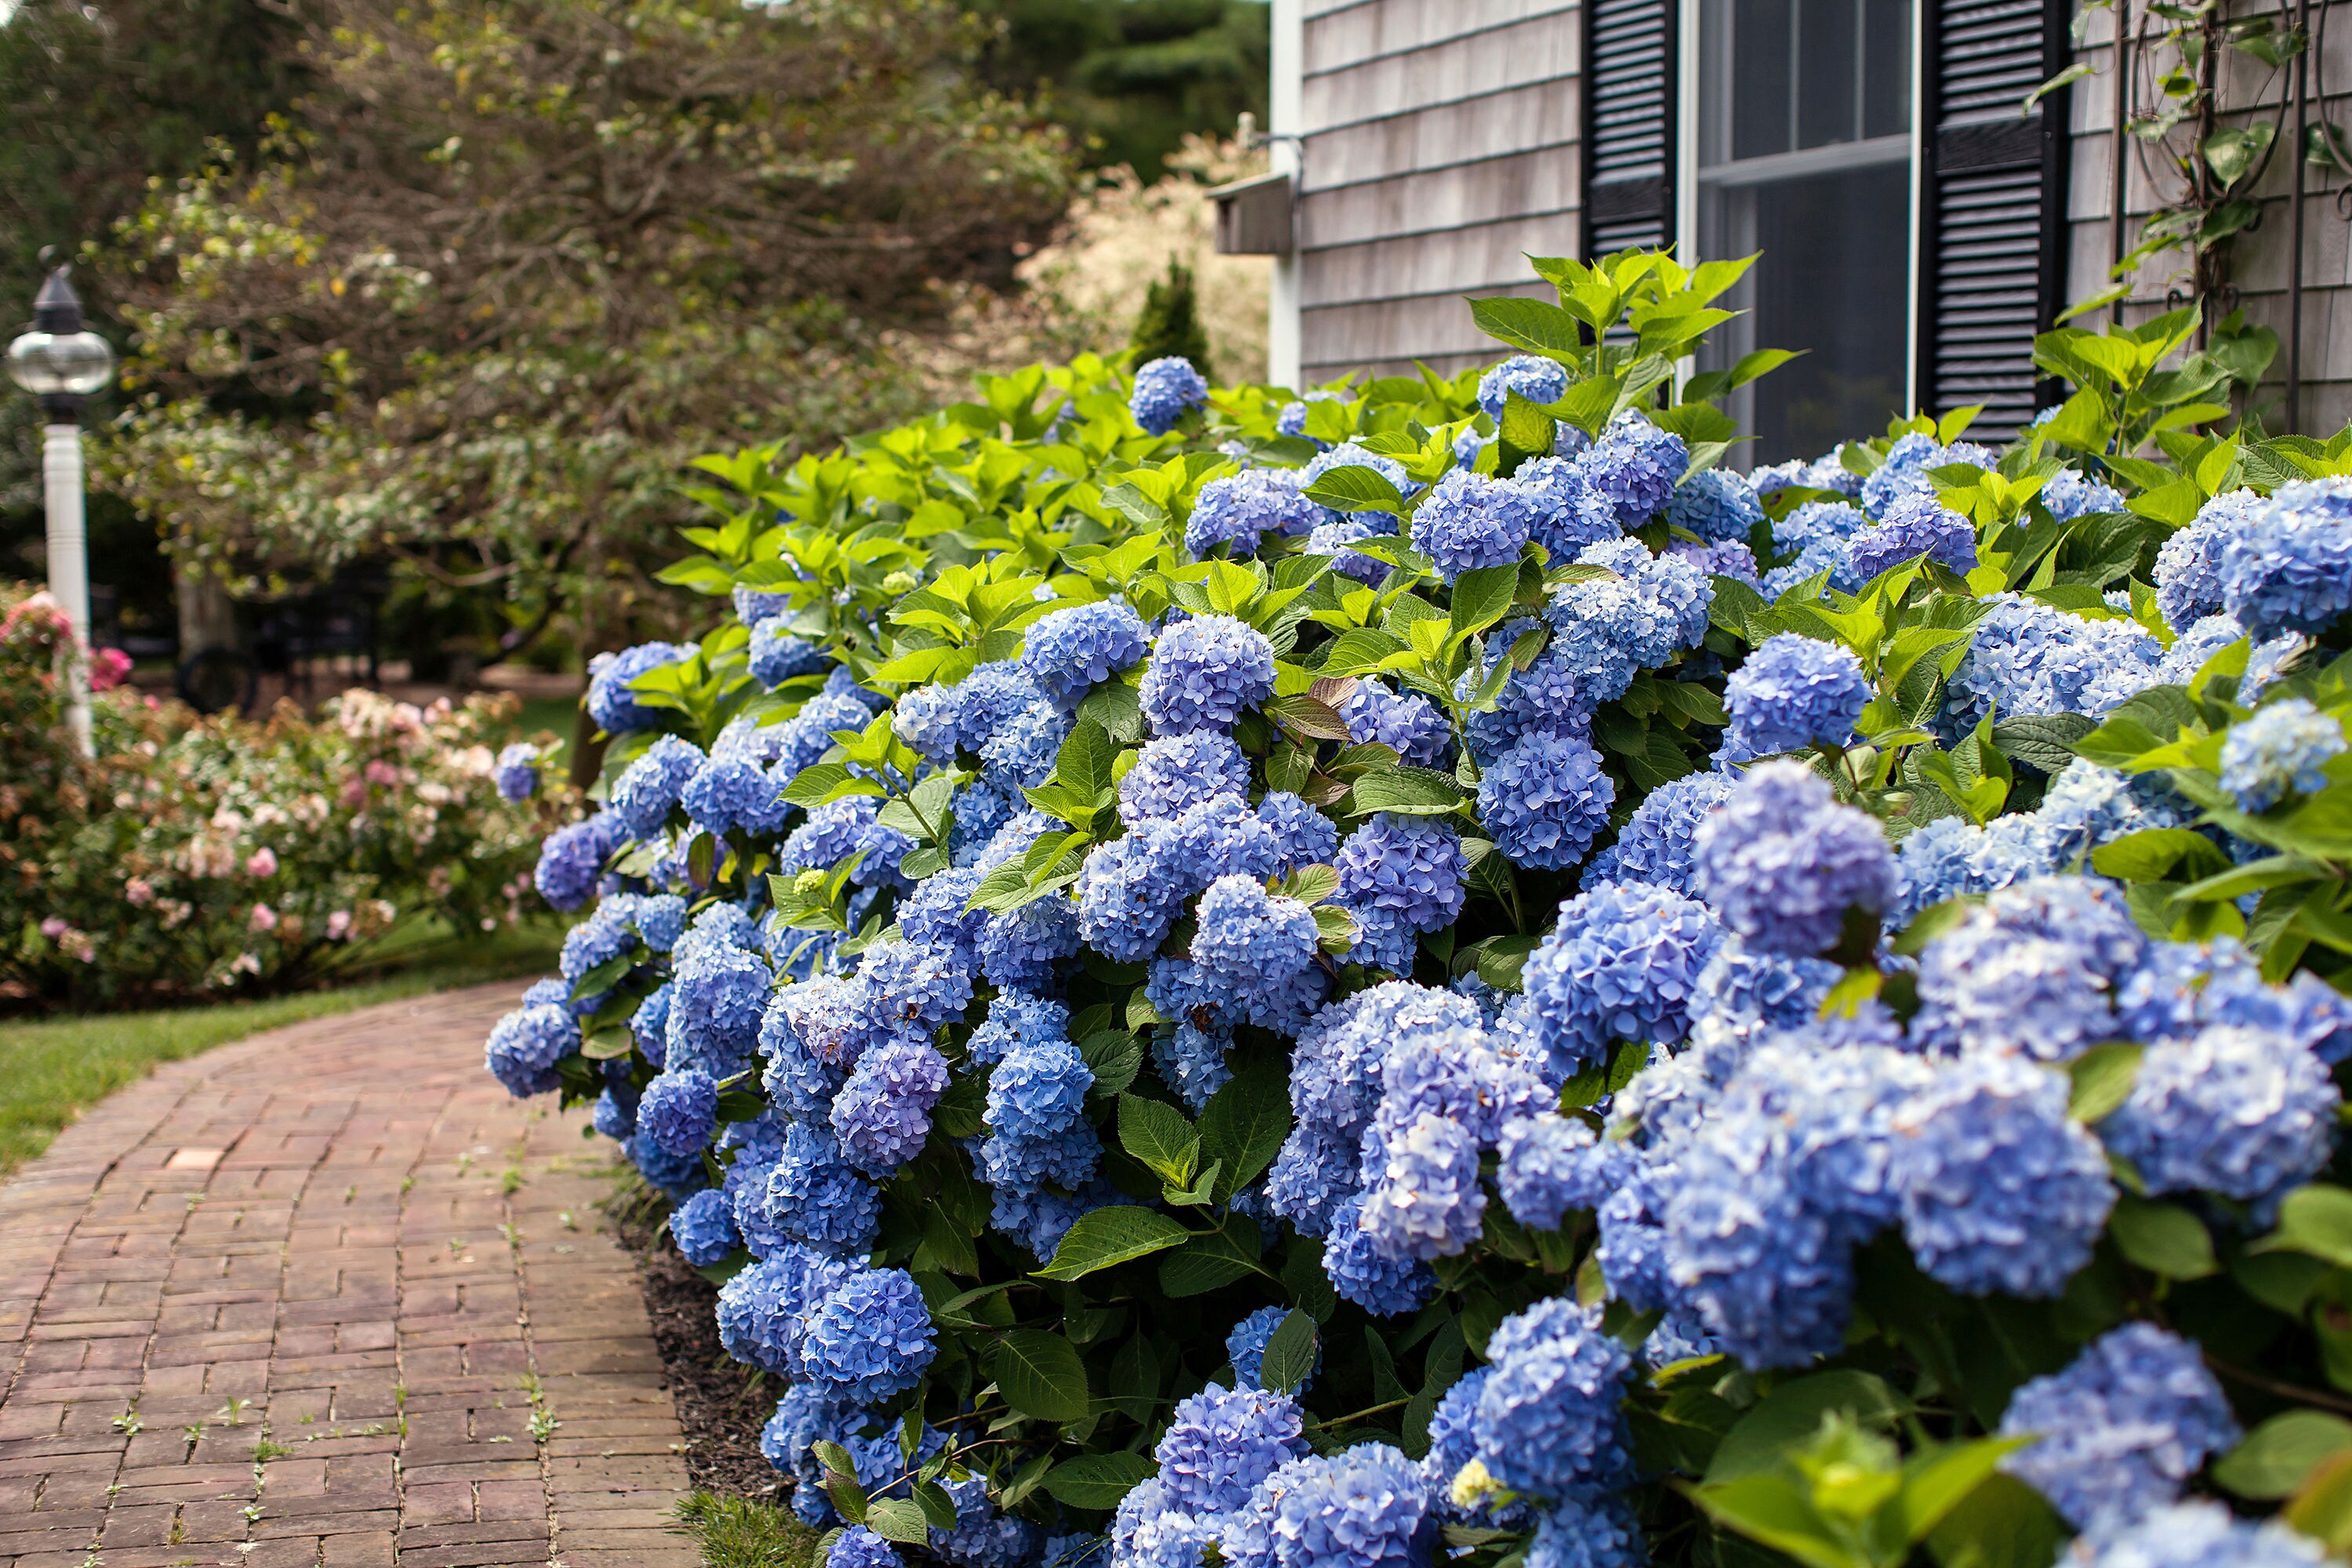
[(1440, 148), (1440, 145), (2258, 259)]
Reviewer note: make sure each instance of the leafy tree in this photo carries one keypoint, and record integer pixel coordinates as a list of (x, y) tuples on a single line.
[(94, 101), (1133, 78), (517, 260), (1171, 322)]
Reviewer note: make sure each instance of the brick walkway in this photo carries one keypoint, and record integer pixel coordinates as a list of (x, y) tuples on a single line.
[(327, 1297)]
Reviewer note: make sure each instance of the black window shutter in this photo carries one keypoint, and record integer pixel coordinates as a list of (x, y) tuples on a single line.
[(1629, 119), (1993, 262)]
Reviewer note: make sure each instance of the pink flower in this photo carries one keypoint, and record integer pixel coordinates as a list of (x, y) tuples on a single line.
[(379, 772), (263, 918), (138, 892), (338, 925), (355, 791), (107, 667), (262, 862), (54, 927)]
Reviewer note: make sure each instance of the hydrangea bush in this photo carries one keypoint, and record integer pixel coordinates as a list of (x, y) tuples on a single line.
[(1430, 972), (225, 857)]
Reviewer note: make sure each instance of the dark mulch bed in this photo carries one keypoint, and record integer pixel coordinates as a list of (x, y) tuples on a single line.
[(718, 1402)]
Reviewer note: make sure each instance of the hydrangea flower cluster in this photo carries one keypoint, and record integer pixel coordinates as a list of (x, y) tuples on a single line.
[(1553, 980)]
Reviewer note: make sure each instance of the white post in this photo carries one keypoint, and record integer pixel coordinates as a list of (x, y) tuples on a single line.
[(1286, 104), (61, 489)]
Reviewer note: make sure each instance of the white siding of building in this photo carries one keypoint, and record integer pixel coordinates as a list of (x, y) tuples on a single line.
[(1441, 149)]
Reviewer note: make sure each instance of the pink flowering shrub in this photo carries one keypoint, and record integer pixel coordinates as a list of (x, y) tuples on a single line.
[(215, 855)]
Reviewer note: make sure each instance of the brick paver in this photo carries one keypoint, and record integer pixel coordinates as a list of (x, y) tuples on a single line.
[(327, 1297)]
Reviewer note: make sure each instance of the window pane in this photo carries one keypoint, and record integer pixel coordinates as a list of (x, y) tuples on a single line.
[(1760, 67), (1828, 47), (1832, 282), (1885, 66)]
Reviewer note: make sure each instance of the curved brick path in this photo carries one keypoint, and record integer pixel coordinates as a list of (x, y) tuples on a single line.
[(349, 1227)]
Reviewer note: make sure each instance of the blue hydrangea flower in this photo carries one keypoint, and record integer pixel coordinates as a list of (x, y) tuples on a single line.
[(883, 1113), (704, 1227), (1410, 725), (1361, 1272), (753, 605), (610, 702), (614, 1114), (816, 1196), (1302, 834), (2120, 1431), (1818, 522), (1365, 1508), (1245, 1348), (1255, 954), (1219, 838), (1399, 875), (928, 719), (572, 860), (1548, 1421), (1220, 1443), (597, 941), (762, 1310), (2028, 658), (1588, 1533), (1548, 1164), (2069, 495), (1914, 524), (1731, 558), (1568, 512), (2289, 566), (2034, 968), (1190, 1060), (1204, 672), (527, 1045), (2001, 1191), (1720, 508), (1654, 845), (720, 995), (1635, 466), (1545, 799), (776, 655), (729, 796), (916, 987), (1240, 509), (1038, 1132), (2189, 567), (516, 771), (1540, 381), (869, 1340), (1793, 692), (2283, 750), (1782, 862), (2244, 1112), (2200, 1533), (649, 786), (1069, 652), (1469, 521), (1333, 535), (1166, 390), (858, 1547), (1424, 1200), (1173, 773), (680, 1111), (1904, 474), (1129, 893)]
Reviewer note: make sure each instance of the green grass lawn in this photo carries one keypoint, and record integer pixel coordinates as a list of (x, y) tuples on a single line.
[(51, 1070)]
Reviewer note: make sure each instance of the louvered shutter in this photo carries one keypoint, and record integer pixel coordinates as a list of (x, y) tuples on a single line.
[(1629, 112), (1992, 267)]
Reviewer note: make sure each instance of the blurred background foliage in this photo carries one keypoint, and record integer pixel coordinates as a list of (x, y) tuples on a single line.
[(454, 286)]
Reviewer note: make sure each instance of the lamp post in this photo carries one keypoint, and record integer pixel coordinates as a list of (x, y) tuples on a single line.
[(62, 362)]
